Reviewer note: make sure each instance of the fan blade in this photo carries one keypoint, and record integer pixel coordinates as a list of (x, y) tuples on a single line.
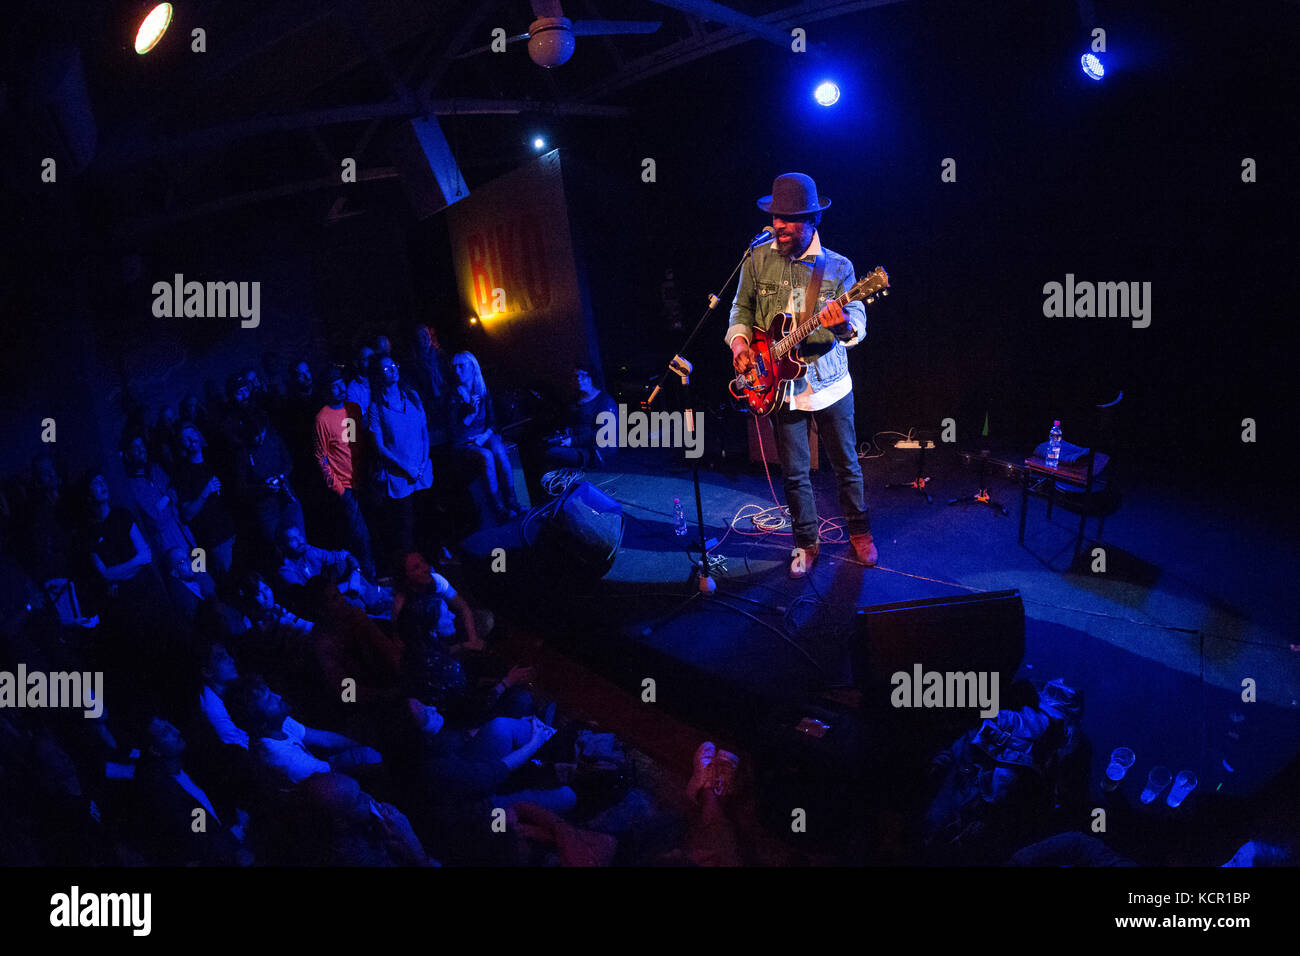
[(597, 28), (484, 49)]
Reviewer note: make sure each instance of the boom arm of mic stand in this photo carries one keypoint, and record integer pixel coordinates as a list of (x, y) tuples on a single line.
[(713, 304)]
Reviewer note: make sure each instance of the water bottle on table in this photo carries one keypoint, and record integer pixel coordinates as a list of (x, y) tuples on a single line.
[(1054, 445)]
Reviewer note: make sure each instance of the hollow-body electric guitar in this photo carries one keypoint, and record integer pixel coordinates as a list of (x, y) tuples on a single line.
[(777, 361)]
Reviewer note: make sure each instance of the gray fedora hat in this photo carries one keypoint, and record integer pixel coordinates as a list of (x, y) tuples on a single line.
[(793, 194)]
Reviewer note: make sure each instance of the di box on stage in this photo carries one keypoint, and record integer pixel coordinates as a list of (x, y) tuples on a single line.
[(969, 632), (583, 529)]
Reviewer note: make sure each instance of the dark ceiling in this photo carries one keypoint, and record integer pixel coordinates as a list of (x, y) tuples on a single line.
[(299, 84)]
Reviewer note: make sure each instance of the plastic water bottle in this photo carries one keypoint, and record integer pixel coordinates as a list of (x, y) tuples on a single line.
[(679, 518), (1054, 445)]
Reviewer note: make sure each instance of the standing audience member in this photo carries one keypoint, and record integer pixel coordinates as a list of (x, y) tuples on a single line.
[(399, 432), (340, 455), (42, 534), (262, 470), (202, 505), (430, 374), (359, 386)]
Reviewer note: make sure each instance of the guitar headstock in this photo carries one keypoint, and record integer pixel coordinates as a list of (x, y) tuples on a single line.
[(869, 286)]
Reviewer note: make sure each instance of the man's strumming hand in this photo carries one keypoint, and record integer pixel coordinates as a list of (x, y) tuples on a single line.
[(742, 357)]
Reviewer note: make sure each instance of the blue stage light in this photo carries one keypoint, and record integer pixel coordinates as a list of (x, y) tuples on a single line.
[(1092, 66), (827, 94), (539, 143)]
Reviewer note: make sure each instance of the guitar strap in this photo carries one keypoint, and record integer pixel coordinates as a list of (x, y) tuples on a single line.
[(814, 287)]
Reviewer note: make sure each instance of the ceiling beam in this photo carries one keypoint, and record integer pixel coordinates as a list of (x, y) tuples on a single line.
[(704, 43), (709, 10), (135, 229), (125, 154)]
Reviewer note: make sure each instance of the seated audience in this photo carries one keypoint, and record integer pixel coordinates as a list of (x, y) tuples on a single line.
[(475, 439), (574, 446), (348, 827), (165, 813), (154, 498), (186, 587), (462, 775), (302, 563), (286, 748), (428, 606)]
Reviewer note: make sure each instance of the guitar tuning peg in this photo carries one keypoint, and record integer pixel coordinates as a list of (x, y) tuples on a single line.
[(884, 292), (870, 299)]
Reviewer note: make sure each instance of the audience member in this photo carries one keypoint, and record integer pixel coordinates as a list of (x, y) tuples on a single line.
[(474, 437), (340, 454), (399, 432), (262, 472), (574, 446), (203, 507), (154, 498), (284, 746), (359, 384)]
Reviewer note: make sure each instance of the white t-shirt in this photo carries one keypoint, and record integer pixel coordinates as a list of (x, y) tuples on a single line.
[(446, 620), (214, 709), (289, 758)]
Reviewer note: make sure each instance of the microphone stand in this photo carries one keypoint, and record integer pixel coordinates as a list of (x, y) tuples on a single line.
[(677, 365)]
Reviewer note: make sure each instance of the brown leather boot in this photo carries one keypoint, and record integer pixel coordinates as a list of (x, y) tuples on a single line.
[(865, 549), (802, 560)]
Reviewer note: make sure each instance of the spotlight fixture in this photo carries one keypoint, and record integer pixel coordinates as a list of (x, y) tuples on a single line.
[(827, 94), (152, 28), (539, 143), (1092, 67)]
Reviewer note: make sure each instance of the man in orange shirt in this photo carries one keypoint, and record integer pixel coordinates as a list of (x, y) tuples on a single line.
[(340, 452)]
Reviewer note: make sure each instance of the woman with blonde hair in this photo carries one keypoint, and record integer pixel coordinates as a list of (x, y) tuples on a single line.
[(475, 438)]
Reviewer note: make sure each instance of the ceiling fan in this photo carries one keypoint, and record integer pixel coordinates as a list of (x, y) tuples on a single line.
[(551, 34)]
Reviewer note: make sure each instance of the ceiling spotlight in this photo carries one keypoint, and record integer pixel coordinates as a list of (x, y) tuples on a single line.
[(827, 94), (1092, 67), (152, 28), (539, 143)]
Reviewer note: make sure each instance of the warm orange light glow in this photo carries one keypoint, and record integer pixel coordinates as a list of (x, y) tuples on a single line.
[(152, 28)]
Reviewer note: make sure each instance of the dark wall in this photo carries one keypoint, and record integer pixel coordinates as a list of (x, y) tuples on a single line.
[(1135, 178)]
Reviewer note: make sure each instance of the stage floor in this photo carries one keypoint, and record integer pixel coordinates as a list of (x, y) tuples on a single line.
[(1196, 599)]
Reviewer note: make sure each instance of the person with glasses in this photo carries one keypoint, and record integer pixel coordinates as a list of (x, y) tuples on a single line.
[(399, 432)]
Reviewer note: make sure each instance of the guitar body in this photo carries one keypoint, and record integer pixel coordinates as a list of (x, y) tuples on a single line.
[(776, 359), (767, 381)]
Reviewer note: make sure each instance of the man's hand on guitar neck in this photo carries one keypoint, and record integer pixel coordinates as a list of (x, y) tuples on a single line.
[(832, 315)]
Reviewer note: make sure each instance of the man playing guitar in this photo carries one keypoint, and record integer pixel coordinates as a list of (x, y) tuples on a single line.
[(795, 273)]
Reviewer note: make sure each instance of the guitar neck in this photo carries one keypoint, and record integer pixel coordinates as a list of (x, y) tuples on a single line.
[(804, 329)]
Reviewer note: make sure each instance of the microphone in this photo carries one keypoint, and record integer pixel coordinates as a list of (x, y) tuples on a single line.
[(762, 237)]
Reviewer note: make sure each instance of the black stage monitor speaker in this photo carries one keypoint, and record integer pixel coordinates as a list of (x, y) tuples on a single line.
[(583, 529), (970, 632)]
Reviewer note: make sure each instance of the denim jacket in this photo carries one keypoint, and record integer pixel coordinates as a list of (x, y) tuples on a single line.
[(764, 293)]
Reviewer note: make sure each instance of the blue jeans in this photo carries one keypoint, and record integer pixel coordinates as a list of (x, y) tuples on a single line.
[(498, 737), (358, 534), (839, 438)]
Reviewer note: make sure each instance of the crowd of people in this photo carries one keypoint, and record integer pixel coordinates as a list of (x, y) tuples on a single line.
[(276, 643)]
